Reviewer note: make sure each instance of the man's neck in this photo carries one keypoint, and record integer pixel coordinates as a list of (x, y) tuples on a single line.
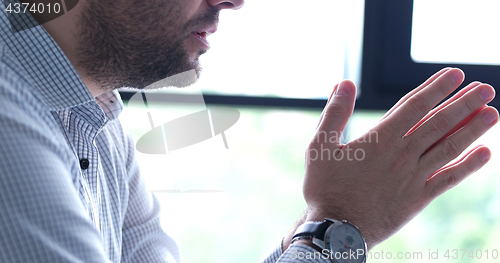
[(64, 32)]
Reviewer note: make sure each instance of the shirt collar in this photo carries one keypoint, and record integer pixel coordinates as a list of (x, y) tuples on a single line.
[(46, 67), (111, 104)]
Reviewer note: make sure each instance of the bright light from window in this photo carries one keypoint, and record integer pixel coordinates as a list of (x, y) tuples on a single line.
[(456, 31)]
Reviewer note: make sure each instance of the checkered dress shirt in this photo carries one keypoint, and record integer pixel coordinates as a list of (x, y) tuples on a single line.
[(70, 187)]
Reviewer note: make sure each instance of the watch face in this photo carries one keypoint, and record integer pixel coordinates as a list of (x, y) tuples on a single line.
[(347, 245)]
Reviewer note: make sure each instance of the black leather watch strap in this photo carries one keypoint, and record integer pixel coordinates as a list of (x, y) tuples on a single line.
[(313, 229)]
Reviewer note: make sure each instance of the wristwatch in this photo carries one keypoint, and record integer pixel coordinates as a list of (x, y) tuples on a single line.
[(340, 241)]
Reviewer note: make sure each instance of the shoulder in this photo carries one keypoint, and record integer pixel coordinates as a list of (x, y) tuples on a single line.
[(27, 128), (19, 103), (15, 88)]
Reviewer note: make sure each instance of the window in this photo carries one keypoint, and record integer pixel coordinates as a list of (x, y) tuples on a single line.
[(398, 57), (442, 32)]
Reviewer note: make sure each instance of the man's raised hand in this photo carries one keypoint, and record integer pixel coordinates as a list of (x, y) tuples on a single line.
[(383, 179)]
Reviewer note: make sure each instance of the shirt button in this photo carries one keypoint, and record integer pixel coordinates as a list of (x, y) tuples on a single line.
[(84, 164)]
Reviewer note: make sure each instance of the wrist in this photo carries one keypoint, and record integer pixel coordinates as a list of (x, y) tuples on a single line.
[(316, 214), (319, 213), (285, 242), (332, 236)]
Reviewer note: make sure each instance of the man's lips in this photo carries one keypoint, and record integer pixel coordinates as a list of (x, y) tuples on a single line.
[(202, 39), (210, 29), (201, 35)]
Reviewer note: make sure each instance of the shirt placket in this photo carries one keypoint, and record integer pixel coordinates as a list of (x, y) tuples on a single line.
[(85, 125)]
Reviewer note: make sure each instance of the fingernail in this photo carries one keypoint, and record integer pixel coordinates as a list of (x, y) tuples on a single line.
[(486, 93), (456, 76), (484, 155), (489, 117), (343, 89)]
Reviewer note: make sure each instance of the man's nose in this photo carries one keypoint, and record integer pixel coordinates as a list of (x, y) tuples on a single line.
[(226, 4)]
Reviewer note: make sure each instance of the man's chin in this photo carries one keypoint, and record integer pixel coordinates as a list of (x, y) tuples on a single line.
[(180, 80)]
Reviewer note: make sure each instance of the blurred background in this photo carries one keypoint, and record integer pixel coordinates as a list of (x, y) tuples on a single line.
[(277, 62)]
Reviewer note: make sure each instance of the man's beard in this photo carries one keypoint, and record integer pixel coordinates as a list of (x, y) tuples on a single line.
[(138, 45)]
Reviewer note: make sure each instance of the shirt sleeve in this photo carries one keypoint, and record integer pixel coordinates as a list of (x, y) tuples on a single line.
[(296, 253), (299, 253), (143, 238), (41, 216), (272, 256)]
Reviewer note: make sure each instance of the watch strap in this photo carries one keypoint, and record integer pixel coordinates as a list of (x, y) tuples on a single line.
[(313, 229)]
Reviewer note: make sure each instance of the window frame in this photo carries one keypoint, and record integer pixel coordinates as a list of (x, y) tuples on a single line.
[(388, 71)]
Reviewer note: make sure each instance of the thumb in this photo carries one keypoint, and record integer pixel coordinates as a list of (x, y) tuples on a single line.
[(338, 111)]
